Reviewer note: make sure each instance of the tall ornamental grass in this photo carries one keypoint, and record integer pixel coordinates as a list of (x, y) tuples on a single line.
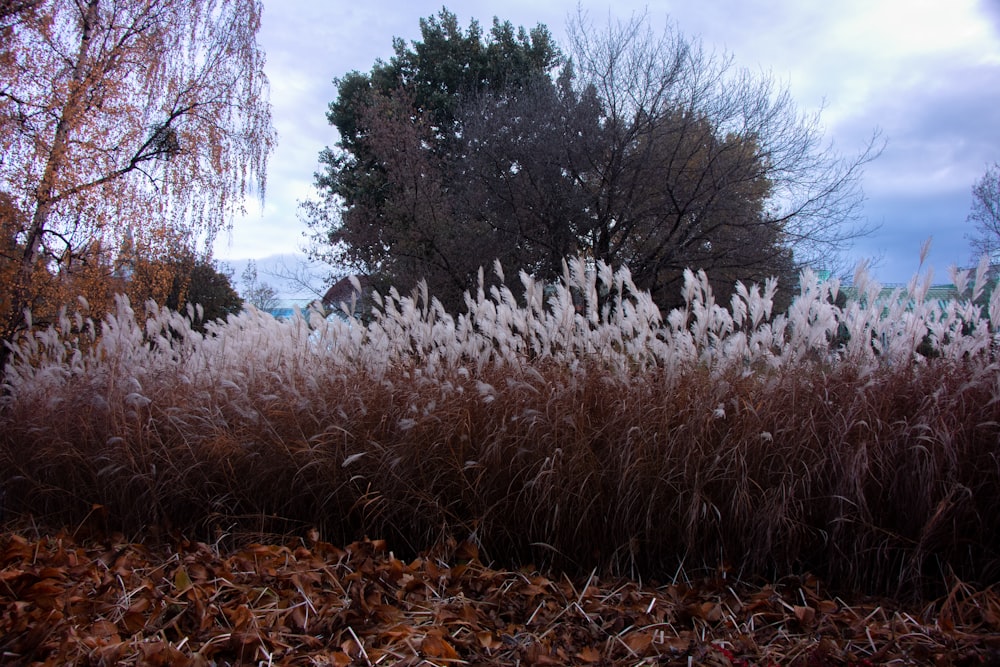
[(571, 426)]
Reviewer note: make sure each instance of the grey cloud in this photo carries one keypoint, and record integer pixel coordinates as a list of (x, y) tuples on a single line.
[(991, 8), (941, 132), (907, 222)]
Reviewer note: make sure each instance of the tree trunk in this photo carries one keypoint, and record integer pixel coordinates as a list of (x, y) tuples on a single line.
[(45, 197)]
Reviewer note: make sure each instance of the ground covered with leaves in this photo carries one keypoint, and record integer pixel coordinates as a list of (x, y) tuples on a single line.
[(308, 602)]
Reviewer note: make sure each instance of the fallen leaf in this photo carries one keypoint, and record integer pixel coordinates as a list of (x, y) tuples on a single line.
[(181, 579), (488, 640), (709, 611), (805, 615), (436, 647), (639, 642)]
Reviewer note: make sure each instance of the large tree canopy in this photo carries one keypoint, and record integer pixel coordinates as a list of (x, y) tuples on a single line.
[(639, 149), (390, 186), (119, 117)]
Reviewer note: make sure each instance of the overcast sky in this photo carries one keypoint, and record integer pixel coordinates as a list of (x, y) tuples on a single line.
[(926, 72)]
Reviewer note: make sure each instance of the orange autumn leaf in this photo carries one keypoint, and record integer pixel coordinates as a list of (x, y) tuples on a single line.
[(709, 611), (827, 607), (46, 588), (74, 616), (488, 640), (340, 659), (639, 642), (436, 647), (398, 632), (467, 551), (104, 630), (805, 615), (351, 648)]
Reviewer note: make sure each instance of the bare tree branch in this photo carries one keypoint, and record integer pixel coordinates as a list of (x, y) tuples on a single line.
[(985, 215)]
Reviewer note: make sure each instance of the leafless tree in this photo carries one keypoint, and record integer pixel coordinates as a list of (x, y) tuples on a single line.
[(985, 214), (257, 292), (706, 162)]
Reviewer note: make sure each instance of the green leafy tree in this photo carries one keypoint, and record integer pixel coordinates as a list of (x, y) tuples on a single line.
[(198, 281), (388, 209)]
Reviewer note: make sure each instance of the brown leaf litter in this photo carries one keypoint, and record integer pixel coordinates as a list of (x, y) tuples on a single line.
[(312, 603)]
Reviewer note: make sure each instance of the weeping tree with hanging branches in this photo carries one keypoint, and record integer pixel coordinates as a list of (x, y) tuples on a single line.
[(118, 116)]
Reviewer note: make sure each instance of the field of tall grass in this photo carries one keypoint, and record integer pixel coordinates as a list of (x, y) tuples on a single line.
[(572, 427)]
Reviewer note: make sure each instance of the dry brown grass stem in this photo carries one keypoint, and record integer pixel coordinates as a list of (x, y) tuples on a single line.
[(870, 472)]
